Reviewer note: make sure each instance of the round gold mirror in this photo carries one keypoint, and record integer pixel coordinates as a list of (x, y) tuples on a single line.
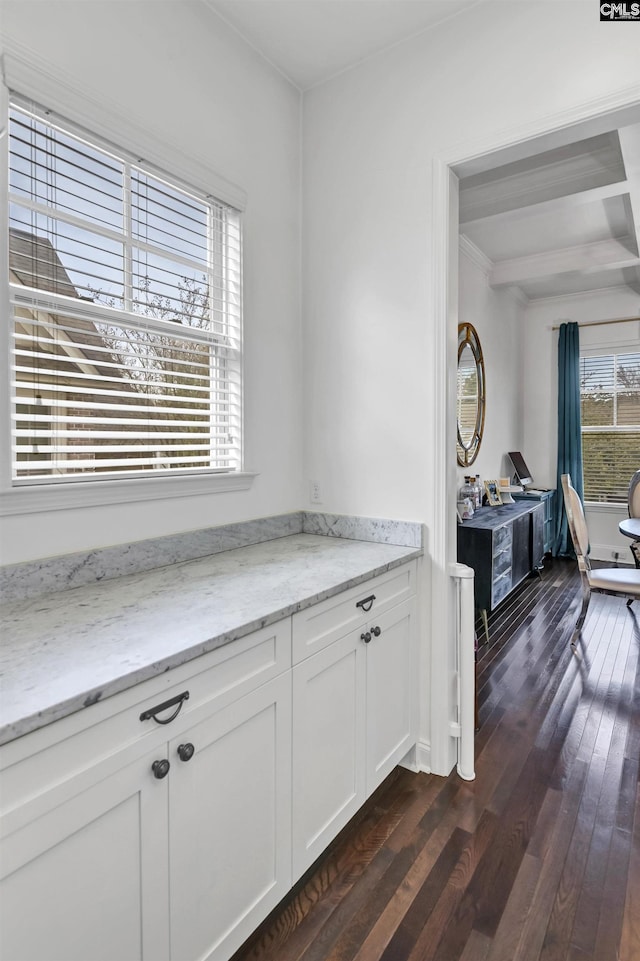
[(471, 395)]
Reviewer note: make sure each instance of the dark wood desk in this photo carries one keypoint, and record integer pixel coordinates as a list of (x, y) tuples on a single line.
[(548, 498), (503, 545)]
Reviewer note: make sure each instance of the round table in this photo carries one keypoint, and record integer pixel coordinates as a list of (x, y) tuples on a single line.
[(630, 527)]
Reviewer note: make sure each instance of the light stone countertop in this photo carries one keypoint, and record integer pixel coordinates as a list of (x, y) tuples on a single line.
[(64, 651)]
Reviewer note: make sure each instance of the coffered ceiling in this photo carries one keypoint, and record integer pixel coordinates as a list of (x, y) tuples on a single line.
[(561, 221)]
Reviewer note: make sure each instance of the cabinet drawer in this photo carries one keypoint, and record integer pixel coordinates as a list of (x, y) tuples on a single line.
[(32, 765), (502, 538), (320, 625), (501, 561), (500, 587)]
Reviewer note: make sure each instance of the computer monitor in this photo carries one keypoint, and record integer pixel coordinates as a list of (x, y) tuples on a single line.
[(522, 471)]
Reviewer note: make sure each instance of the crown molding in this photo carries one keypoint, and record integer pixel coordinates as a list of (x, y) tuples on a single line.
[(475, 255), (519, 297), (565, 298)]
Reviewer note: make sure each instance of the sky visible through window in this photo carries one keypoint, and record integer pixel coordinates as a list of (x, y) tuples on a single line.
[(124, 238)]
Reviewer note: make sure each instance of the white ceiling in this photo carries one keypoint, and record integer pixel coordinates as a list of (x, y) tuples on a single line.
[(311, 40), (558, 217)]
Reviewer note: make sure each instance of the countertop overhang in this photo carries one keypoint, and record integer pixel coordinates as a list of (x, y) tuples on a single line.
[(65, 651)]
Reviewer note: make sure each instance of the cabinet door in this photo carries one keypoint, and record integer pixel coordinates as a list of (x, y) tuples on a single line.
[(391, 691), (521, 562), (328, 745), (537, 536), (87, 879), (230, 817)]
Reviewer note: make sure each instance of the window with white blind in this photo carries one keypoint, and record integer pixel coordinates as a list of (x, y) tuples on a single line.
[(126, 310), (610, 409)]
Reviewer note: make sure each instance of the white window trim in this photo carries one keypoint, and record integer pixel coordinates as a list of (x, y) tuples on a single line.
[(39, 80), (598, 507), (73, 494)]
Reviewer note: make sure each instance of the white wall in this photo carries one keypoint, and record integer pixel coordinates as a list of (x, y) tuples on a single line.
[(497, 317), (373, 139), (370, 137), (187, 79), (369, 140), (540, 386)]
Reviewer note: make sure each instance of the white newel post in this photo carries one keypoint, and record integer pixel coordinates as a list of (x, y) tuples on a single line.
[(465, 669)]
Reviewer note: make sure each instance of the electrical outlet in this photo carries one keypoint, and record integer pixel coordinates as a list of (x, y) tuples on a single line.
[(314, 492)]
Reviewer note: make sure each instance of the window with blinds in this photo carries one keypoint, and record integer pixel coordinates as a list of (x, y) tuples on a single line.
[(126, 309), (610, 410)]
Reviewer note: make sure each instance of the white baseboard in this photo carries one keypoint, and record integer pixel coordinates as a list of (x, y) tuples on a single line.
[(423, 756), (606, 553)]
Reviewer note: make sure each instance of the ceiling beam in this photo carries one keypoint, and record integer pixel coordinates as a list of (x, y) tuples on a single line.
[(562, 204), (587, 259), (630, 148)]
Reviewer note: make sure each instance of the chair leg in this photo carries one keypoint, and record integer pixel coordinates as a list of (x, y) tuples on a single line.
[(586, 597), (485, 621)]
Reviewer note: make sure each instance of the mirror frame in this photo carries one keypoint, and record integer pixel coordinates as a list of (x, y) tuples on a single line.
[(467, 453)]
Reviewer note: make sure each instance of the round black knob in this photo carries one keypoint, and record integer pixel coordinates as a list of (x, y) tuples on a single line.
[(365, 637), (186, 751), (376, 631), (160, 768)]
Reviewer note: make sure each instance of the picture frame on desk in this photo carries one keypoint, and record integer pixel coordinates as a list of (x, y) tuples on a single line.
[(492, 491)]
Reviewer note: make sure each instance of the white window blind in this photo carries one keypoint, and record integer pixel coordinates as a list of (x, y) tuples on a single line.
[(610, 410), (126, 297)]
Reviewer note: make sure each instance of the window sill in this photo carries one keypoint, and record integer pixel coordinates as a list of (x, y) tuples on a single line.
[(597, 508), (67, 496)]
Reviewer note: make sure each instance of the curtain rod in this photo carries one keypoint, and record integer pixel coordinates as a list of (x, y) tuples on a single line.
[(600, 323)]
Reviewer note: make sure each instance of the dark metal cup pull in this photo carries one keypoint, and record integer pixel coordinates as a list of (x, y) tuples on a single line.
[(178, 700), (186, 751), (160, 768), (366, 603)]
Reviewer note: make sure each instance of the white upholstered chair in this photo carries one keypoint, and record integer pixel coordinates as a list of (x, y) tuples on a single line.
[(634, 511), (608, 580), (634, 495)]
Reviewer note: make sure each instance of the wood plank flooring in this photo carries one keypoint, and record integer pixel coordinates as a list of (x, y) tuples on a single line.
[(538, 859)]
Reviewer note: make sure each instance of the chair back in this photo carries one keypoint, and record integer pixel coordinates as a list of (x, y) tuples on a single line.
[(577, 522), (634, 495)]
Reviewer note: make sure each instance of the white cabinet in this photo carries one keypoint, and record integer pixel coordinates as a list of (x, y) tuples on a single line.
[(85, 874), (354, 704), (123, 837), (121, 849), (328, 746), (230, 809), (391, 691)]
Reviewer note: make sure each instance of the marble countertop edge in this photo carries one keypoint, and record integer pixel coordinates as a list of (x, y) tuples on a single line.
[(30, 709)]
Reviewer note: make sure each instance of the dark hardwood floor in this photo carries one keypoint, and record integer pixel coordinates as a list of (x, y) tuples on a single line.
[(538, 859)]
